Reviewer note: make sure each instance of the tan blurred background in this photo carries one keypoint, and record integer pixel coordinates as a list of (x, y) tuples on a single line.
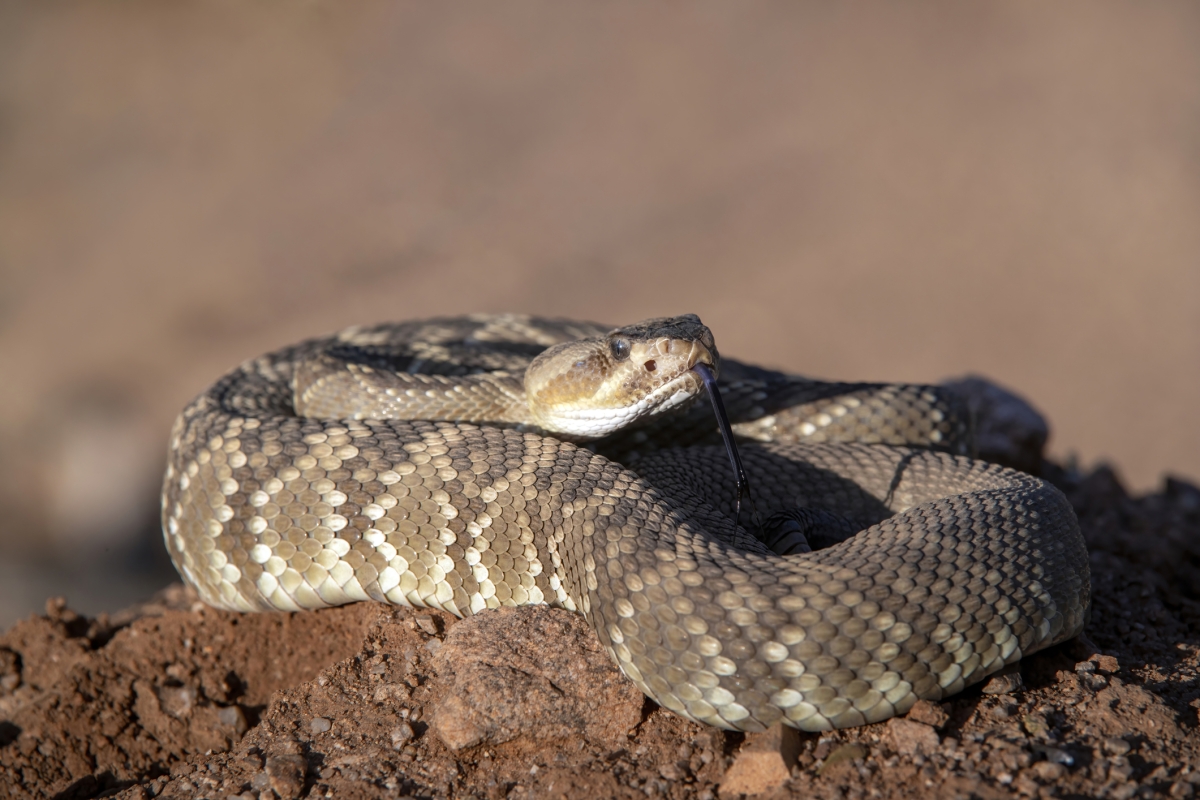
[(860, 191)]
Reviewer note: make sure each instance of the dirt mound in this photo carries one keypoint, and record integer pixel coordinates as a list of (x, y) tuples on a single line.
[(173, 699)]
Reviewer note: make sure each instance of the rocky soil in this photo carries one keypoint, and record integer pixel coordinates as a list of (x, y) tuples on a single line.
[(173, 699)]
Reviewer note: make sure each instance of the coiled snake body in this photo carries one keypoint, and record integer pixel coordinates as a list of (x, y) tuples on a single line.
[(960, 567)]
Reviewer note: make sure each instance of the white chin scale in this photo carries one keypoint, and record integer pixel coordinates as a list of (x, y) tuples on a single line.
[(593, 423)]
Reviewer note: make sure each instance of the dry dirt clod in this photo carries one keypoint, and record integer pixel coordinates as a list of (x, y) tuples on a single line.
[(536, 673), (10, 671), (286, 774), (401, 735), (1116, 746), (1048, 772), (426, 623), (928, 713), (1120, 769), (457, 724), (1009, 681), (764, 762), (1034, 725), (909, 738), (844, 754), (234, 718)]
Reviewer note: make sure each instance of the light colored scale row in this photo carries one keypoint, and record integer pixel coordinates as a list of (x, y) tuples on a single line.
[(880, 418), (327, 388), (829, 655), (810, 653), (296, 558)]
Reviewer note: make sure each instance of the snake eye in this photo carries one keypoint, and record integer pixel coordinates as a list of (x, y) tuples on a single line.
[(620, 349)]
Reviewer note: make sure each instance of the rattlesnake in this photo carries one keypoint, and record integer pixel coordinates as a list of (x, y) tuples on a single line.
[(475, 502)]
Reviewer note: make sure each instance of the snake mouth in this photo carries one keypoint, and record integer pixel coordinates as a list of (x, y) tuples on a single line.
[(658, 377), (673, 394), (595, 422), (683, 357)]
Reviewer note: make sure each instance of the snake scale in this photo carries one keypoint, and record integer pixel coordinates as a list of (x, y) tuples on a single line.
[(296, 482)]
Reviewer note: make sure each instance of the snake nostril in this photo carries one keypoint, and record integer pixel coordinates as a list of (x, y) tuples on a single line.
[(650, 365)]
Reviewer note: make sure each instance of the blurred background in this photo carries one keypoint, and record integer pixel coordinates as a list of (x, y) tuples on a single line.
[(860, 191)]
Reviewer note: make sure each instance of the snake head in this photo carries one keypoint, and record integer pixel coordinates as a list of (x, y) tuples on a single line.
[(592, 387)]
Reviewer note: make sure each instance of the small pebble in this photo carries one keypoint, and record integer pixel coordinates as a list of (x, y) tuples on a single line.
[(928, 713), (909, 738), (287, 774), (401, 735), (425, 622), (763, 763), (233, 717), (1055, 755), (1034, 724), (1025, 784), (1116, 746), (320, 725), (1120, 768), (1049, 771), (1158, 774), (1004, 684), (845, 753), (1124, 792)]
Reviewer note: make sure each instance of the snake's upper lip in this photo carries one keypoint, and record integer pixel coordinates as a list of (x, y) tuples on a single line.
[(700, 355)]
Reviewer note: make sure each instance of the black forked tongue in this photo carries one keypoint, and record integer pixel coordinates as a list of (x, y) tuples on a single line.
[(735, 458)]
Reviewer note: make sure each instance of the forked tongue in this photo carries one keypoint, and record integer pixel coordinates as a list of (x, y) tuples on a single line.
[(735, 458)]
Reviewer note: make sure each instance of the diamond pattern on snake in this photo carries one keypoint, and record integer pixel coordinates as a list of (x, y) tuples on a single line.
[(474, 462)]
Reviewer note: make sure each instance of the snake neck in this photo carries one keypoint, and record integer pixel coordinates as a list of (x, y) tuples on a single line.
[(327, 387), (578, 390)]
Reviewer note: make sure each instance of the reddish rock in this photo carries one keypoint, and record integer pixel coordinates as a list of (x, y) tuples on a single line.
[(910, 738), (842, 757), (929, 713), (286, 774), (764, 762), (537, 673), (1004, 683)]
